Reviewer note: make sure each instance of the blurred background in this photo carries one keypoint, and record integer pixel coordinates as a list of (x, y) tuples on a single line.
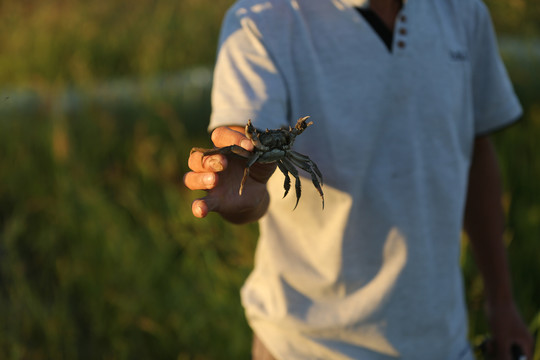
[(100, 258)]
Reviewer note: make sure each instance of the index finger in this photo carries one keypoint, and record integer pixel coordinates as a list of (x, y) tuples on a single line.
[(234, 135)]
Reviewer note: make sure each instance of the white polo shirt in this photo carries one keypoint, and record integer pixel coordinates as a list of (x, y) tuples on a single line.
[(376, 274)]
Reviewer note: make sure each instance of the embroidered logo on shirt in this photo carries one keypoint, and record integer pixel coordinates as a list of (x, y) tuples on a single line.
[(458, 55)]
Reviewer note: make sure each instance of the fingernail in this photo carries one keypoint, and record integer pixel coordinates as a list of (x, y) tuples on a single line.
[(208, 179), (246, 144), (215, 165)]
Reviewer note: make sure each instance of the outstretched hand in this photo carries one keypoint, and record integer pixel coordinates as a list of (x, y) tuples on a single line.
[(221, 175)]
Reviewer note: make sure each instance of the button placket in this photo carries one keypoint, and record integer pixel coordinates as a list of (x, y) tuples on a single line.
[(402, 32)]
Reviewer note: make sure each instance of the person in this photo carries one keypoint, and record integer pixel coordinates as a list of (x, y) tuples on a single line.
[(403, 96)]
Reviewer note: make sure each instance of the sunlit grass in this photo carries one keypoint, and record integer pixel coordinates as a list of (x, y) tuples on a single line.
[(101, 257), (80, 42)]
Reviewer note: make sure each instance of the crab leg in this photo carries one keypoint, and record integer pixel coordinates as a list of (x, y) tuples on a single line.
[(287, 183), (227, 150), (290, 168), (252, 160), (253, 135), (308, 166), (305, 159)]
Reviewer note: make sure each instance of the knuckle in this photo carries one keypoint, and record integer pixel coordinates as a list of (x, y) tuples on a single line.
[(215, 163)]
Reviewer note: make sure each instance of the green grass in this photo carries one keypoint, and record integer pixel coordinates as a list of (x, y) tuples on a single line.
[(80, 42), (100, 257)]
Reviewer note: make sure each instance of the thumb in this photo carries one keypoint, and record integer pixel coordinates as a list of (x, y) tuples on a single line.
[(201, 207)]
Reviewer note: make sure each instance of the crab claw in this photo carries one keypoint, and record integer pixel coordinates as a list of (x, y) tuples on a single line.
[(301, 125), (249, 130)]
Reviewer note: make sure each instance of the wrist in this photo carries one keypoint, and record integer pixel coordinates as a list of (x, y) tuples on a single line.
[(499, 295)]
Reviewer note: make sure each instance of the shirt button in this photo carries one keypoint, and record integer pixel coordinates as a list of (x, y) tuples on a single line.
[(403, 31), (401, 44), (403, 18)]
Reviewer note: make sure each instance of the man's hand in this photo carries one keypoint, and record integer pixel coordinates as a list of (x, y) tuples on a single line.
[(508, 330), (221, 175)]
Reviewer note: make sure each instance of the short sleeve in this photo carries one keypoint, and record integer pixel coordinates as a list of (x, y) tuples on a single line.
[(247, 83), (495, 102)]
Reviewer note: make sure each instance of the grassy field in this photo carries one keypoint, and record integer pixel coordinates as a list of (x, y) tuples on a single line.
[(100, 257)]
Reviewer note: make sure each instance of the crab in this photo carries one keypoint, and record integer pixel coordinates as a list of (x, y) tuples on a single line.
[(275, 146)]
